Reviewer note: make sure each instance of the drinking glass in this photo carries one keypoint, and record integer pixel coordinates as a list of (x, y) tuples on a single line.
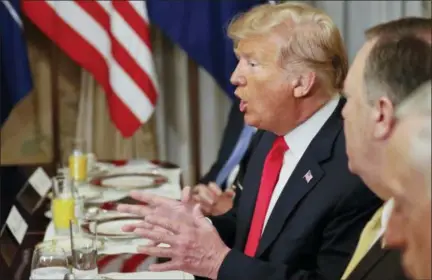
[(84, 246), (78, 160), (62, 204), (48, 262)]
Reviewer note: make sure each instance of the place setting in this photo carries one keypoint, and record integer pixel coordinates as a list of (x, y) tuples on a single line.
[(69, 257), (76, 255)]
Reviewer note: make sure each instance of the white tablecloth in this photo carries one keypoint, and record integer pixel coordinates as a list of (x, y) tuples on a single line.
[(171, 189)]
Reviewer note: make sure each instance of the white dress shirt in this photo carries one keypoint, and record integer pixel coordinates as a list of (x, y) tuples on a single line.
[(385, 216), (298, 140)]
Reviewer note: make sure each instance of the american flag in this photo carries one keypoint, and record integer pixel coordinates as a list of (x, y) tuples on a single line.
[(111, 40)]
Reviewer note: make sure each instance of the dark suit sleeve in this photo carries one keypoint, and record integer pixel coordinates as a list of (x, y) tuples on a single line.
[(230, 136), (226, 224), (339, 239)]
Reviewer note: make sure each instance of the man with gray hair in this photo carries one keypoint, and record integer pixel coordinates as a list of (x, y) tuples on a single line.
[(391, 64), (409, 171)]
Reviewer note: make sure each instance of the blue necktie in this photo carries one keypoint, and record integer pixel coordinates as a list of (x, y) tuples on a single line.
[(237, 154)]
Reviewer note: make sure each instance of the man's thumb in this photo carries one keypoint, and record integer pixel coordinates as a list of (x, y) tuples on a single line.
[(229, 193)]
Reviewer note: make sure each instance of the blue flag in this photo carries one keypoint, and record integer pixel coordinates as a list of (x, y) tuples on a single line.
[(15, 77), (200, 28)]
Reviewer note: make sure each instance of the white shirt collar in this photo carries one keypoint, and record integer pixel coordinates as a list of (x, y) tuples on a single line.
[(385, 216), (300, 137)]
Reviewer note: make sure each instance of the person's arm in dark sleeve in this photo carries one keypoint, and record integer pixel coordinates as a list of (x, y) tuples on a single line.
[(233, 128), (338, 242)]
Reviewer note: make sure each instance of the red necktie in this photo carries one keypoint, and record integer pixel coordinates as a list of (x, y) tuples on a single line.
[(270, 175)]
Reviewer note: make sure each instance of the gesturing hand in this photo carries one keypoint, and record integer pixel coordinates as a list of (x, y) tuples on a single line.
[(157, 205), (195, 245)]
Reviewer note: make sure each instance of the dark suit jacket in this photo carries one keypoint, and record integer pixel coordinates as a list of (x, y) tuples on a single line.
[(314, 227), (379, 264), (235, 124)]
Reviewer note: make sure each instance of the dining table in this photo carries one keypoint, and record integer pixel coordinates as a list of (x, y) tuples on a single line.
[(108, 184)]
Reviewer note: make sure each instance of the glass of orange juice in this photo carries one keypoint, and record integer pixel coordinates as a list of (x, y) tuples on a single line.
[(62, 205), (77, 161)]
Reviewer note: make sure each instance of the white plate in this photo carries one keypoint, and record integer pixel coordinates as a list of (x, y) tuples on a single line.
[(88, 192), (109, 195), (112, 228), (108, 214), (129, 182)]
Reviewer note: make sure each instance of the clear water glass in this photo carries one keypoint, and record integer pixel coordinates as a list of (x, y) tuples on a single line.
[(84, 245), (49, 262)]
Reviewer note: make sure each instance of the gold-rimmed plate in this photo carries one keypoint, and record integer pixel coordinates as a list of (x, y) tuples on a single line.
[(112, 227), (129, 181)]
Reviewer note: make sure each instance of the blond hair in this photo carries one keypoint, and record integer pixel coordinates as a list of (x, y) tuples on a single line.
[(310, 38)]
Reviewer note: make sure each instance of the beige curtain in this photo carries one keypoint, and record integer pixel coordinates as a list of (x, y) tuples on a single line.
[(103, 139), (27, 136), (427, 8)]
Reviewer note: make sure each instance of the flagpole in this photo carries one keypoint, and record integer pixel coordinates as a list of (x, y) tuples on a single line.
[(84, 125), (80, 122), (194, 118), (55, 105), (89, 112)]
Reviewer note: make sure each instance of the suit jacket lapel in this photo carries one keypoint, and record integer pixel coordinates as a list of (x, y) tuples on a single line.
[(251, 183), (299, 183), (296, 188), (373, 256)]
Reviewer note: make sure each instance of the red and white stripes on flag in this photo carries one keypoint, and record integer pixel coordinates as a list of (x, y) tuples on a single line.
[(111, 40)]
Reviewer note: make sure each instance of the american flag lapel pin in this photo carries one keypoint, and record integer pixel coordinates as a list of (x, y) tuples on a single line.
[(308, 176)]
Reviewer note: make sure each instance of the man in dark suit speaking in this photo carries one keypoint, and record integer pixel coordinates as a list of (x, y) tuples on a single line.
[(301, 211)]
